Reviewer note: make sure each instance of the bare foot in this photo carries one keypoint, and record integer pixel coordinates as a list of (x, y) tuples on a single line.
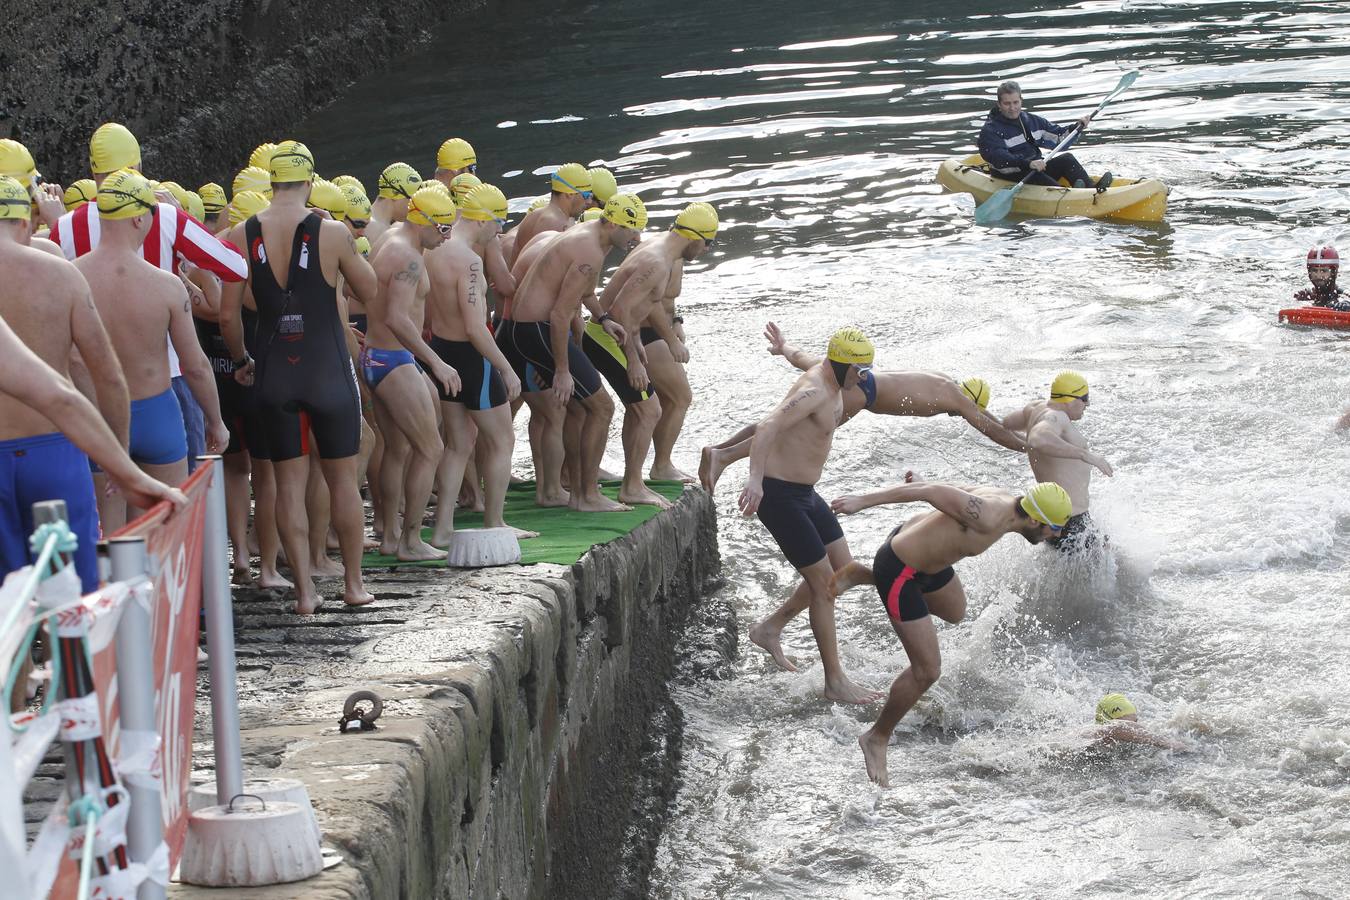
[(442, 537), (842, 690), (521, 533), (370, 543), (357, 596), (516, 479), (645, 496), (597, 503), (874, 756), (710, 466), (308, 604), (562, 498), (849, 577), (388, 547), (241, 576), (668, 472), (418, 551), (769, 639), (604, 474), (327, 567), (271, 580)]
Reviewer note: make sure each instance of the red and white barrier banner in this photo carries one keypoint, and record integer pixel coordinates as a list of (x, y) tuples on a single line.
[(174, 546)]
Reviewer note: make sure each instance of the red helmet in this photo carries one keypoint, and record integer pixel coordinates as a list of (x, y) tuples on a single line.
[(1324, 256)]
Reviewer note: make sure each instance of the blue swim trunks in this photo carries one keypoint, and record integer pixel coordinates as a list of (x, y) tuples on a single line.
[(158, 436), (376, 364), (46, 467)]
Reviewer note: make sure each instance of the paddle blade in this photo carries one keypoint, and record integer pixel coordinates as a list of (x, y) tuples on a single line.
[(996, 207), (1126, 80)]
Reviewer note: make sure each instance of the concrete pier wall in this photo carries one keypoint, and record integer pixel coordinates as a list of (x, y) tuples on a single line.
[(528, 732)]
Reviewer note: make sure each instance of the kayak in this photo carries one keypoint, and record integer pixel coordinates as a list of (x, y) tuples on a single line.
[(1127, 199), (1320, 316)]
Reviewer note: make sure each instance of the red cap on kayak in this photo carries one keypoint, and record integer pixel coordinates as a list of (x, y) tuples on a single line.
[(1324, 256)]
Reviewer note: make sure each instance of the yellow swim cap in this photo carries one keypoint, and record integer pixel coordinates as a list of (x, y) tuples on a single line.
[(399, 180), (571, 178), (1048, 503), (213, 197), (345, 181), (252, 179), (177, 190), (698, 221), (603, 184), (125, 194), (79, 193), (113, 147), (435, 185), (261, 156), (325, 195), (194, 206), (16, 162), (245, 205), (1114, 706), (358, 205), (591, 214), (14, 202), (626, 211), (291, 162), (1068, 387), (538, 203), (462, 184), (431, 206), (978, 390), (363, 245), (485, 203), (456, 153), (849, 345)]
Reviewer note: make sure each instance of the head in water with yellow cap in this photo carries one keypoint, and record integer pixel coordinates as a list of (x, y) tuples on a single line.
[(628, 216), (1069, 394), (1046, 506), (850, 355), (697, 222), (1116, 706), (432, 209)]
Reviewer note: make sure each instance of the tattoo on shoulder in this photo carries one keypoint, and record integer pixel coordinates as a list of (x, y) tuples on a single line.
[(974, 506), (586, 268), (412, 273), (800, 398)]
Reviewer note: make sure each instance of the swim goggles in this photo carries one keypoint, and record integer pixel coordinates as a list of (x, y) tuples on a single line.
[(1084, 398), (563, 181), (1041, 516), (710, 240), (129, 199), (443, 228)]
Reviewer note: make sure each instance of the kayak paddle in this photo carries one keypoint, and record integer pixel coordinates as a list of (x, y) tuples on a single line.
[(1000, 204)]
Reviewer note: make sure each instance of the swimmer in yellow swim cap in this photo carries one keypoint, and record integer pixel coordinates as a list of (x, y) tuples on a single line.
[(1117, 722), (252, 179), (571, 194), (112, 147), (79, 193), (455, 157), (603, 186), (215, 205), (462, 185), (346, 181), (914, 579), (1058, 451), (398, 182)]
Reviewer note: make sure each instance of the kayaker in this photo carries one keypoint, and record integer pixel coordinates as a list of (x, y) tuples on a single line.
[(1323, 263), (1011, 142)]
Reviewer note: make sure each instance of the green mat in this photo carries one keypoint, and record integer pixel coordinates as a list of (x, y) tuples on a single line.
[(564, 534)]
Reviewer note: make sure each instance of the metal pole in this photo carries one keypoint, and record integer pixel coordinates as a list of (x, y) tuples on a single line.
[(220, 639), (44, 513), (136, 694)]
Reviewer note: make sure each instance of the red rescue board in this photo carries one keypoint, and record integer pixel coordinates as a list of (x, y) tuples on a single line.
[(1315, 315)]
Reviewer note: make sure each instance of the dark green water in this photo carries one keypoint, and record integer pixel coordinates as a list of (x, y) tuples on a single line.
[(816, 129)]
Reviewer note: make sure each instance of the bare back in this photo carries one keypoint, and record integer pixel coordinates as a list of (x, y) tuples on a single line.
[(932, 541), (914, 394), (548, 218), (453, 267), (798, 453), (399, 258), (136, 302), (1073, 475), (37, 300)]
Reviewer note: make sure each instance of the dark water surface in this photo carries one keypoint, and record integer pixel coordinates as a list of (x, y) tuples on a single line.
[(816, 130)]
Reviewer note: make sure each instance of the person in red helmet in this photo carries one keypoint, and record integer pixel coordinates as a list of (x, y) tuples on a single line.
[(1323, 264)]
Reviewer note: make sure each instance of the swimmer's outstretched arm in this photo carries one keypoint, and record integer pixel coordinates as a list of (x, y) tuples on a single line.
[(778, 346), (989, 426), (1135, 733), (1045, 438), (962, 505)]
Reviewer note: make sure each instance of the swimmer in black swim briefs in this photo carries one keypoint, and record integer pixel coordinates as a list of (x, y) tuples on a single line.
[(901, 586), (1080, 534), (799, 520)]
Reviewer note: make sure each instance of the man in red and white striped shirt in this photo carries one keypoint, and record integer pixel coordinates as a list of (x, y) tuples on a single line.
[(173, 235)]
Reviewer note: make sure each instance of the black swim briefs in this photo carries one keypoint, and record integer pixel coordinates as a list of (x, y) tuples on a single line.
[(800, 521), (1078, 534), (901, 586)]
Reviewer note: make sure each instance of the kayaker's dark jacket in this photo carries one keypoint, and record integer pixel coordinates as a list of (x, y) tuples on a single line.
[(1008, 144), (1331, 297)]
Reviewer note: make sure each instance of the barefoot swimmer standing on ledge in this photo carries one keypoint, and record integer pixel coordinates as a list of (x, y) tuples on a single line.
[(786, 458), (913, 574)]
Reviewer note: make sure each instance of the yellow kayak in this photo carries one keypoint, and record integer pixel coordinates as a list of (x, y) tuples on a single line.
[(1126, 199)]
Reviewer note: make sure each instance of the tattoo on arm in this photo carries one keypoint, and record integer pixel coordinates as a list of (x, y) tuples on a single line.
[(974, 506), (586, 269), (412, 273)]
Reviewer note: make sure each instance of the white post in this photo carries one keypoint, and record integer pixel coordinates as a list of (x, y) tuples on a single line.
[(220, 639), (136, 695)]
